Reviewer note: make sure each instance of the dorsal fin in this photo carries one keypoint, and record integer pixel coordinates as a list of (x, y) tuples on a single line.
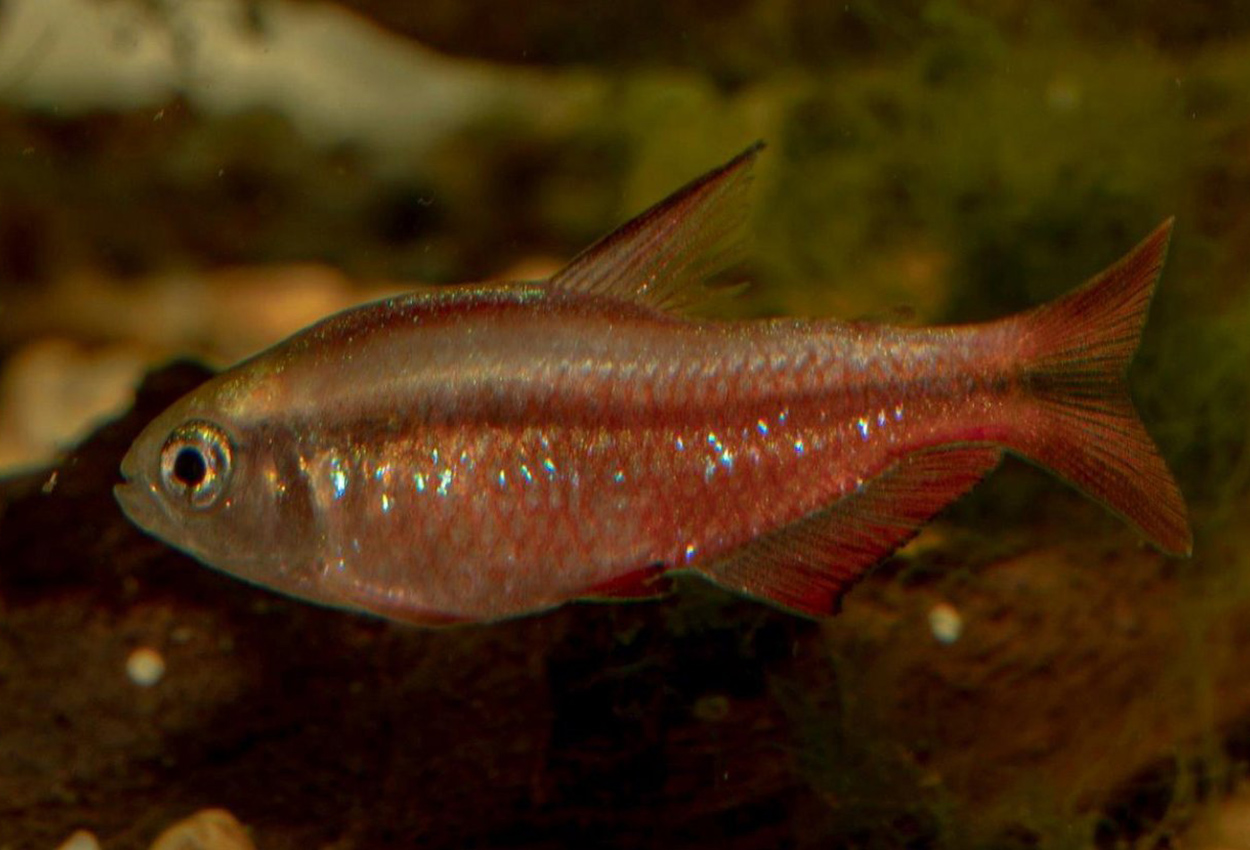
[(807, 565), (662, 257)]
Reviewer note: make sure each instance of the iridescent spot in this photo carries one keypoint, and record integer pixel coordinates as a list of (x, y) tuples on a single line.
[(549, 465), (781, 417), (444, 482), (898, 413), (762, 427), (386, 503), (881, 418), (338, 479), (681, 444), (691, 549), (525, 473), (503, 478), (619, 476), (798, 446), (274, 483), (382, 472), (713, 440), (465, 460), (434, 455), (727, 459), (418, 479), (862, 424)]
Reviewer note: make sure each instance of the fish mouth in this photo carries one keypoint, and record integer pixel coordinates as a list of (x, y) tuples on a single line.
[(128, 471), (129, 496), (130, 493), (128, 475)]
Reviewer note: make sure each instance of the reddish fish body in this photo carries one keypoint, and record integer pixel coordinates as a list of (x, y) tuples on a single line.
[(484, 452)]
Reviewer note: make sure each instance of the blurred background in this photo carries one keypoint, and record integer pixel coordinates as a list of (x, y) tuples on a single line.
[(200, 178)]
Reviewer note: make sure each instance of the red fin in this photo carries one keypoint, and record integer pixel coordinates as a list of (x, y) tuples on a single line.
[(647, 583), (662, 256), (1077, 351), (807, 565)]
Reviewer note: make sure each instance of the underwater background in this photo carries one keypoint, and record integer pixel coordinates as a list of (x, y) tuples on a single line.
[(198, 179)]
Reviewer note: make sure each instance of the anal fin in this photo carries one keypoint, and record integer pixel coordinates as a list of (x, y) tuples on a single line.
[(808, 565)]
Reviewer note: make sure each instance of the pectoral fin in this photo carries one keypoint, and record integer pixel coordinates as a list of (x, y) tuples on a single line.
[(808, 565)]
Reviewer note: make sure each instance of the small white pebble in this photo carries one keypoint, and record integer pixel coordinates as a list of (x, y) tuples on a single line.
[(945, 623), (145, 666), (80, 840)]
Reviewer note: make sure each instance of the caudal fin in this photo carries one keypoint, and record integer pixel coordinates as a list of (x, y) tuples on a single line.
[(1080, 421)]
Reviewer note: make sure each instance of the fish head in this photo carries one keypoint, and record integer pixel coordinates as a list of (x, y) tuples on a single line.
[(203, 477)]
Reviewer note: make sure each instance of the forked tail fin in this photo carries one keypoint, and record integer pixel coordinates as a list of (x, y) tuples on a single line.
[(1080, 421)]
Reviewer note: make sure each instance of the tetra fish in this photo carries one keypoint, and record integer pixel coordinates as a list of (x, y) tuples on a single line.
[(480, 452)]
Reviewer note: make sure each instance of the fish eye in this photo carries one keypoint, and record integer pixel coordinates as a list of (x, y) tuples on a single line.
[(196, 464)]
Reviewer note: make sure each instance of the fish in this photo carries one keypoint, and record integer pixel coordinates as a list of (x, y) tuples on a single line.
[(473, 453)]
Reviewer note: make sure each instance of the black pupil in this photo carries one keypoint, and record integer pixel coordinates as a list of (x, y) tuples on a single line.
[(189, 467)]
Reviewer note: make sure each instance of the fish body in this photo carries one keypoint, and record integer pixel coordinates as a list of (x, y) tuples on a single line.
[(476, 453)]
